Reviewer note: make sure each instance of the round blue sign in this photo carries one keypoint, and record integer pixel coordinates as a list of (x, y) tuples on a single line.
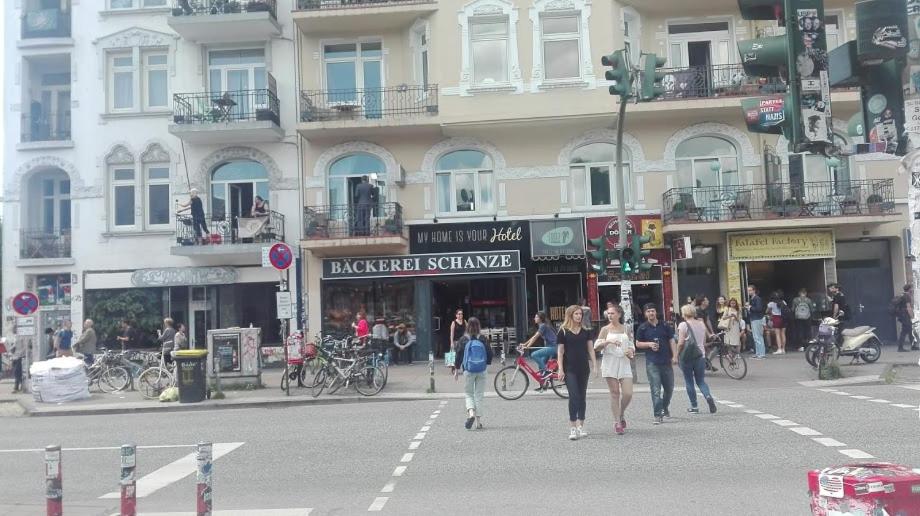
[(25, 303), (280, 256)]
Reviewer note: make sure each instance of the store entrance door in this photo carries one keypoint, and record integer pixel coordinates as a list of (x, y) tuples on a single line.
[(788, 276), (864, 272), (491, 300)]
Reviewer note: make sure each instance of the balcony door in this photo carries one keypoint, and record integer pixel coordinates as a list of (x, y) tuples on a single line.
[(346, 173), (705, 47), (354, 76), (234, 188), (241, 73)]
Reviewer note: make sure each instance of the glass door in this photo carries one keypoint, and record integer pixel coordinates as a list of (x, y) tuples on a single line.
[(203, 307)]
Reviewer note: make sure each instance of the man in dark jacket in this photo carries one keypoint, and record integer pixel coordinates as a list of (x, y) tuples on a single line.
[(756, 309), (364, 200), (904, 314)]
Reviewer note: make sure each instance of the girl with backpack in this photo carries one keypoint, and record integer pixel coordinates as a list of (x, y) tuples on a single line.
[(473, 357), (575, 348)]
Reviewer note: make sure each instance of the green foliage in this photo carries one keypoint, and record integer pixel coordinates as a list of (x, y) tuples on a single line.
[(830, 371), (108, 308)]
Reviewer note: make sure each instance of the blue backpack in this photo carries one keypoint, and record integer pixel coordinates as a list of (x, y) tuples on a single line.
[(475, 356)]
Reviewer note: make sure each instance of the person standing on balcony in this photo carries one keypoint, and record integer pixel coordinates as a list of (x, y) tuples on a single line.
[(196, 209), (364, 200), (260, 207)]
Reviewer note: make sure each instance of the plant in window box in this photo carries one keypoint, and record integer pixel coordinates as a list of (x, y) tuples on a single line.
[(876, 204)]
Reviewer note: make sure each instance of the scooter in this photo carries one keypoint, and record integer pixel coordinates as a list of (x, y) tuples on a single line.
[(859, 342)]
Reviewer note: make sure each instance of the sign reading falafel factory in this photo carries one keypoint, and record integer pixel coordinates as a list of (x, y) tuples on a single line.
[(485, 262)]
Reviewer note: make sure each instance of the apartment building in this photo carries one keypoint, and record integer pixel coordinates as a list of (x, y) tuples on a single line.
[(485, 126), (118, 109)]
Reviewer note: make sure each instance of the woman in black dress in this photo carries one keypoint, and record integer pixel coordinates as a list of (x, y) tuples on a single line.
[(575, 347), (457, 329)]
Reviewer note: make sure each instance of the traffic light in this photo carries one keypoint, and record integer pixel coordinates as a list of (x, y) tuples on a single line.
[(637, 242), (600, 255), (651, 87), (628, 263), (619, 72)]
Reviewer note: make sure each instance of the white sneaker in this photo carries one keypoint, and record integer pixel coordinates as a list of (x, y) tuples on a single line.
[(778, 352), (573, 434), (582, 432)]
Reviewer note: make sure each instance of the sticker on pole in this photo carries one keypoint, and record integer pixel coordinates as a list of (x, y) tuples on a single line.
[(280, 256), (25, 303)]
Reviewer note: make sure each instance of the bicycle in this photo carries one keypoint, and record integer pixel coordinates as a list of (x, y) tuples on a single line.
[(511, 378), (367, 379), (154, 380), (732, 361), (105, 374)]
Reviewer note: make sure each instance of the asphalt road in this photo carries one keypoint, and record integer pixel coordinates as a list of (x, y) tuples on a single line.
[(750, 458)]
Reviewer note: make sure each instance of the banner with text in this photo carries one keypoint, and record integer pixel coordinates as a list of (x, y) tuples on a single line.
[(489, 262)]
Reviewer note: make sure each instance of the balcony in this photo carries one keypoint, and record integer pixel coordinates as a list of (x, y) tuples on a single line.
[(786, 204), (348, 230), (318, 17), (241, 237), (53, 128), (225, 21), (231, 117), (45, 23), (44, 247), (328, 113)]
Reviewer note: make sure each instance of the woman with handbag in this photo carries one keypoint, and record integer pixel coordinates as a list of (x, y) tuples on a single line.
[(691, 339), (733, 324)]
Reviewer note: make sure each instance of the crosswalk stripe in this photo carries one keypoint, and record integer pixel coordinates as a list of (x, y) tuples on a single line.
[(827, 441), (235, 512), (378, 504), (804, 430), (856, 454), (879, 401), (855, 397), (902, 405), (766, 416), (398, 472), (784, 422)]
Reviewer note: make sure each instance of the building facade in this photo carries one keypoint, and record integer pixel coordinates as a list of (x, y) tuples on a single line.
[(118, 109), (475, 118)]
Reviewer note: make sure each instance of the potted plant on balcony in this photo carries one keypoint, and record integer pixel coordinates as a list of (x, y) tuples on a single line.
[(773, 209), (876, 204), (391, 226), (791, 207), (678, 212)]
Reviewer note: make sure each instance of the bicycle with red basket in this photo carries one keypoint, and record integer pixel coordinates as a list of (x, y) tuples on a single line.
[(303, 362), (511, 382)]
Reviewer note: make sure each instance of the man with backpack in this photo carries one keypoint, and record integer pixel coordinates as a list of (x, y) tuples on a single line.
[(902, 308), (473, 357), (803, 308)]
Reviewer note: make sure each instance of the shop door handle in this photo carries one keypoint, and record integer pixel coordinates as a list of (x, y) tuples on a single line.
[(861, 307)]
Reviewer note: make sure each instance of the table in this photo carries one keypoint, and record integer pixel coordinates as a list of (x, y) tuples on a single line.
[(224, 106)]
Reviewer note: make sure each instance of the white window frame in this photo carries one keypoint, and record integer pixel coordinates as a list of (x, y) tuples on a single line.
[(710, 157), (146, 69), (506, 38), (138, 4), (569, 36), (148, 182), (841, 27), (584, 203), (547, 8), (250, 67), (57, 199), (420, 43), (485, 10), (632, 32), (111, 70), (477, 191), (358, 61), (139, 78), (114, 185)]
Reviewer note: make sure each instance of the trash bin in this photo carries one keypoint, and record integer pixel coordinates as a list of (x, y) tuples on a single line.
[(192, 378), (868, 488)]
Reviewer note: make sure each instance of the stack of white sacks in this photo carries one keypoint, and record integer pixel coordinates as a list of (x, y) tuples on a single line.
[(59, 380)]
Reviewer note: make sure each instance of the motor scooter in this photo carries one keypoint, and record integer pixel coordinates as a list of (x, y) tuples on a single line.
[(859, 342)]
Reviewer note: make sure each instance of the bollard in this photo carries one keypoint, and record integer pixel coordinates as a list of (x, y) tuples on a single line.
[(54, 491), (204, 479), (431, 372), (128, 480)]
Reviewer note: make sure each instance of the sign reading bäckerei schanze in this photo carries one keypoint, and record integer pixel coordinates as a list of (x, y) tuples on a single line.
[(485, 262)]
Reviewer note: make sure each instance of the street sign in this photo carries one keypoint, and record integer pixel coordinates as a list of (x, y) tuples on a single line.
[(266, 251), (25, 326), (284, 304), (25, 303), (281, 256)]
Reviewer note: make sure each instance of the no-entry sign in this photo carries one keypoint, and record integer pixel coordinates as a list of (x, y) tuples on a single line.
[(280, 256), (25, 303)]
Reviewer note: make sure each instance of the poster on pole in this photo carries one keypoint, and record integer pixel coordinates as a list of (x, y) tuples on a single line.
[(811, 67)]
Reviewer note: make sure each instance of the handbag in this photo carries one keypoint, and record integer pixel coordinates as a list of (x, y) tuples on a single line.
[(449, 358), (690, 353), (724, 323)]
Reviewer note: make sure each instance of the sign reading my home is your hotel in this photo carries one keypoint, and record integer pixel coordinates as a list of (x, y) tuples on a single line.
[(487, 262), (781, 245)]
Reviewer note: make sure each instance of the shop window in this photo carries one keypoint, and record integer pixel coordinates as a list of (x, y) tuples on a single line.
[(53, 289), (707, 162), (465, 182), (393, 300), (593, 173)]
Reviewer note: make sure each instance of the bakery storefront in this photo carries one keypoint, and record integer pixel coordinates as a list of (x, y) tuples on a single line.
[(557, 270)]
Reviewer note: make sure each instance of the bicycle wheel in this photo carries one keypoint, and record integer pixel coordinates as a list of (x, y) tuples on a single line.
[(370, 381), (511, 382), (560, 388), (335, 381), (154, 381), (811, 354), (114, 379), (319, 383), (734, 364), (308, 371), (284, 381)]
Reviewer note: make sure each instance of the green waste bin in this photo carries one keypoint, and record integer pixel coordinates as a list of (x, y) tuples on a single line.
[(192, 377)]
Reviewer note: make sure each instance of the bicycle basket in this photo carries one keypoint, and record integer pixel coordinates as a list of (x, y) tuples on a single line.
[(309, 351)]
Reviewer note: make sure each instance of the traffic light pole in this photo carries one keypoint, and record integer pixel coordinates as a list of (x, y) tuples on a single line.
[(625, 284)]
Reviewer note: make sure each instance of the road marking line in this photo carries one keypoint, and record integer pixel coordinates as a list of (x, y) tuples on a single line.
[(855, 397), (425, 428), (434, 416), (841, 393), (915, 387), (752, 411), (378, 504), (398, 472), (734, 405), (804, 430), (903, 405), (414, 445), (879, 401), (724, 402), (827, 389), (174, 471), (784, 422), (827, 441), (436, 412), (407, 457), (420, 435), (429, 423), (767, 416), (235, 512), (102, 448), (389, 487), (856, 454), (843, 381)]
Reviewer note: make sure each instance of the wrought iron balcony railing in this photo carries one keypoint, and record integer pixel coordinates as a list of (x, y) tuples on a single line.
[(46, 128), (46, 23), (369, 103), (778, 200), (217, 7), (318, 5), (344, 221), (716, 81), (228, 106), (36, 244), (230, 230)]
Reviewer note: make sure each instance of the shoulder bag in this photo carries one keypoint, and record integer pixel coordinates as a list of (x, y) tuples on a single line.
[(691, 352)]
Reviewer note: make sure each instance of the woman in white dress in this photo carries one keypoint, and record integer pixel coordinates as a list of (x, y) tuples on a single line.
[(618, 349)]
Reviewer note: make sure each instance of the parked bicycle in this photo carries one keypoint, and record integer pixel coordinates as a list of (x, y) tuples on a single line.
[(730, 359), (511, 382), (106, 374), (348, 368), (154, 380)]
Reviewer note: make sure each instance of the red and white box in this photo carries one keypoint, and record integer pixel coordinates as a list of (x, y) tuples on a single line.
[(877, 489)]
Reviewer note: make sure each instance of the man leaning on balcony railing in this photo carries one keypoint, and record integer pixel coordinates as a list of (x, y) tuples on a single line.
[(196, 208)]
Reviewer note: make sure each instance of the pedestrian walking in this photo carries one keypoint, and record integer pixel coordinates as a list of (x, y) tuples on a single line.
[(63, 340), (86, 344), (576, 362), (692, 332), (776, 308), (903, 308), (457, 329), (16, 352), (167, 339), (473, 358), (362, 328), (803, 309), (616, 345), (702, 313), (756, 311), (657, 339), (546, 336)]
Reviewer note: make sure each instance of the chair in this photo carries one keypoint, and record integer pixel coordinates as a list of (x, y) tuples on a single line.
[(741, 204), (849, 203), (690, 205)]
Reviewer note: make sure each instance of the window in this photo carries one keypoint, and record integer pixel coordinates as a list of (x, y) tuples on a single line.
[(421, 57), (346, 172), (593, 172), (140, 196), (632, 33), (561, 39), (489, 49), (707, 162), (135, 4), (234, 187), (155, 80), (55, 203), (237, 72), (817, 169), (464, 182), (158, 194), (123, 197), (128, 83), (352, 66), (833, 32), (121, 68)]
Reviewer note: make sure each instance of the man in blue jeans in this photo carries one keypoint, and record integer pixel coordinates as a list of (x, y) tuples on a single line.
[(657, 339), (756, 311), (545, 333)]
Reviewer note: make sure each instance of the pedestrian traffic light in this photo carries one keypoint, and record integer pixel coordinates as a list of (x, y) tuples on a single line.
[(651, 87), (619, 72), (627, 262), (600, 255)]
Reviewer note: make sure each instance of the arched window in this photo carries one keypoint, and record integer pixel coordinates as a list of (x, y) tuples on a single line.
[(707, 162), (234, 187), (465, 182), (346, 172), (593, 172)]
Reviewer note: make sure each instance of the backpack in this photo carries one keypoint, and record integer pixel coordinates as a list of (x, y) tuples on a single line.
[(802, 311), (475, 356), (785, 311), (896, 306)]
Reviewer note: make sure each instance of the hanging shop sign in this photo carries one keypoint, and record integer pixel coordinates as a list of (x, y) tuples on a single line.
[(180, 276), (781, 245), (557, 238), (471, 236), (489, 262), (608, 226)]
